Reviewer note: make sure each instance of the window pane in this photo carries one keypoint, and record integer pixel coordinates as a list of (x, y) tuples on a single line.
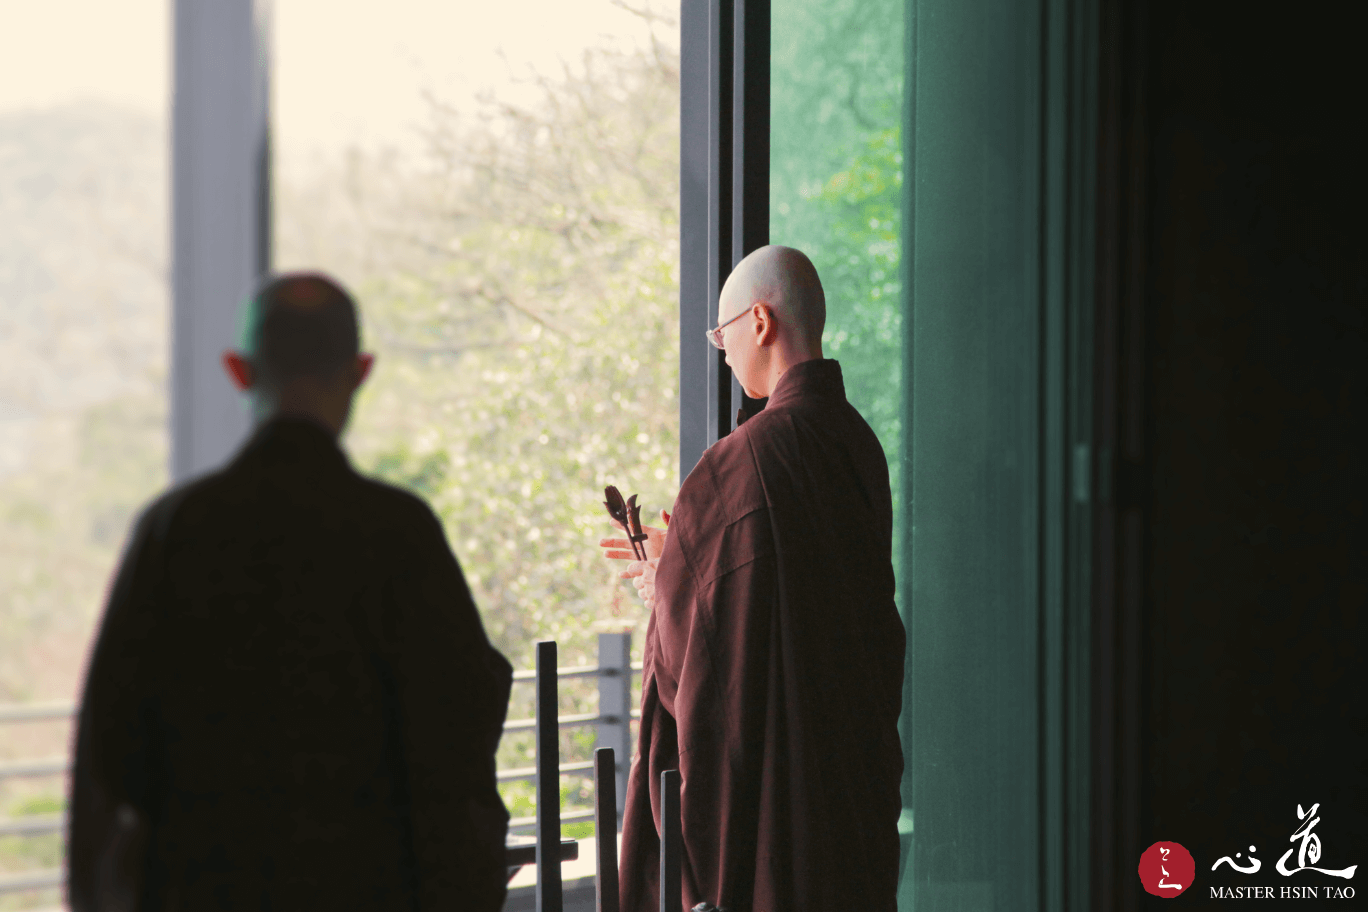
[(510, 229), (83, 351), (948, 295), (974, 614), (835, 188)]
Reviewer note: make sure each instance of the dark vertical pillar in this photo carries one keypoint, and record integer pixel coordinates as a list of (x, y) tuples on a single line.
[(724, 186), (605, 828), (750, 127), (721, 40), (750, 147), (549, 896), (1118, 455), (1080, 256)]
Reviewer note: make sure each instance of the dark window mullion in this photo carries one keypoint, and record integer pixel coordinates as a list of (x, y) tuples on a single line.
[(724, 195), (720, 54), (750, 145)]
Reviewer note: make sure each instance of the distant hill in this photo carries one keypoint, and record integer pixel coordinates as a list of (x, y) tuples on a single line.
[(83, 354), (83, 261)]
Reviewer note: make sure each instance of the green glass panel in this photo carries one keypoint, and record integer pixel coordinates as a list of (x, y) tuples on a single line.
[(836, 185), (931, 157), (971, 726)]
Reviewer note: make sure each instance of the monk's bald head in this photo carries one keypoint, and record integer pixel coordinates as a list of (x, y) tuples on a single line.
[(785, 279), (300, 325)]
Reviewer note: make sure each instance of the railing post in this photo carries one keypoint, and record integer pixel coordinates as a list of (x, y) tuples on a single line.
[(549, 895), (615, 707), (605, 806)]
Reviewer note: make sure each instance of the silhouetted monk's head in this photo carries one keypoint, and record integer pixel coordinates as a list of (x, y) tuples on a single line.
[(300, 350), (775, 302)]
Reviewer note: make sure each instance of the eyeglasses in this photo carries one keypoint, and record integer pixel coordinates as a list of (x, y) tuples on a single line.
[(715, 335)]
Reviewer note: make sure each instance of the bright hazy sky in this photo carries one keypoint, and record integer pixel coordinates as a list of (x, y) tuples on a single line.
[(345, 71)]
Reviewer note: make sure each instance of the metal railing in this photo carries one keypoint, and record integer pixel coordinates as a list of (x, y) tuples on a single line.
[(613, 722)]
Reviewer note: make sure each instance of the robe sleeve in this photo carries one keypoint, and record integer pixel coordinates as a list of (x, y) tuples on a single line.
[(113, 743), (450, 689)]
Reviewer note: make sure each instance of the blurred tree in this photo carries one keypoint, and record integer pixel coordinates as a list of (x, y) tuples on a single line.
[(520, 287)]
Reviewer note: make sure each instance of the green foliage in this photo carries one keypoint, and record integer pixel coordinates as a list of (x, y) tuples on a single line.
[(39, 804), (423, 475), (32, 852), (520, 290), (520, 798), (836, 189), (861, 255), (581, 829), (576, 793)]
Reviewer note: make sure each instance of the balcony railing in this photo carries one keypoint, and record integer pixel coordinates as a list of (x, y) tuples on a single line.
[(613, 723)]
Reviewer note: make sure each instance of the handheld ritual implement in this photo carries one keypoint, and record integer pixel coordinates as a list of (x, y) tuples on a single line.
[(628, 514)]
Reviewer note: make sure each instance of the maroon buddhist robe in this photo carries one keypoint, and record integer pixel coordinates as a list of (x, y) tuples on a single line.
[(293, 687), (773, 668)]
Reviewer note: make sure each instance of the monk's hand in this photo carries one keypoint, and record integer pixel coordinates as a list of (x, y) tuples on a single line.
[(621, 548), (643, 575)]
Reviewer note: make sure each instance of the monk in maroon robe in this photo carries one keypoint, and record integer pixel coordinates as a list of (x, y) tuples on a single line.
[(774, 654), (292, 703)]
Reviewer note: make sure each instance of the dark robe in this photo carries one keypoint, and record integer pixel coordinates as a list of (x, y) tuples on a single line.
[(773, 668), (292, 687)]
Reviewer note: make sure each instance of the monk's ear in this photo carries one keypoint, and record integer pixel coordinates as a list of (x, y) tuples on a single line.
[(239, 370), (768, 323), (364, 362)]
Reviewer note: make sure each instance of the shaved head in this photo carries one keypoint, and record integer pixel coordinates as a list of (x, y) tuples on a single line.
[(298, 325), (777, 300), (785, 279)]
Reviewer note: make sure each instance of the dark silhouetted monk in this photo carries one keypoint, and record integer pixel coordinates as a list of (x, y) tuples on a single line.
[(291, 703), (774, 654)]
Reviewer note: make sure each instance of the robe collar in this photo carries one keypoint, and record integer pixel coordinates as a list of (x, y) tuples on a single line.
[(819, 377), (292, 439)]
